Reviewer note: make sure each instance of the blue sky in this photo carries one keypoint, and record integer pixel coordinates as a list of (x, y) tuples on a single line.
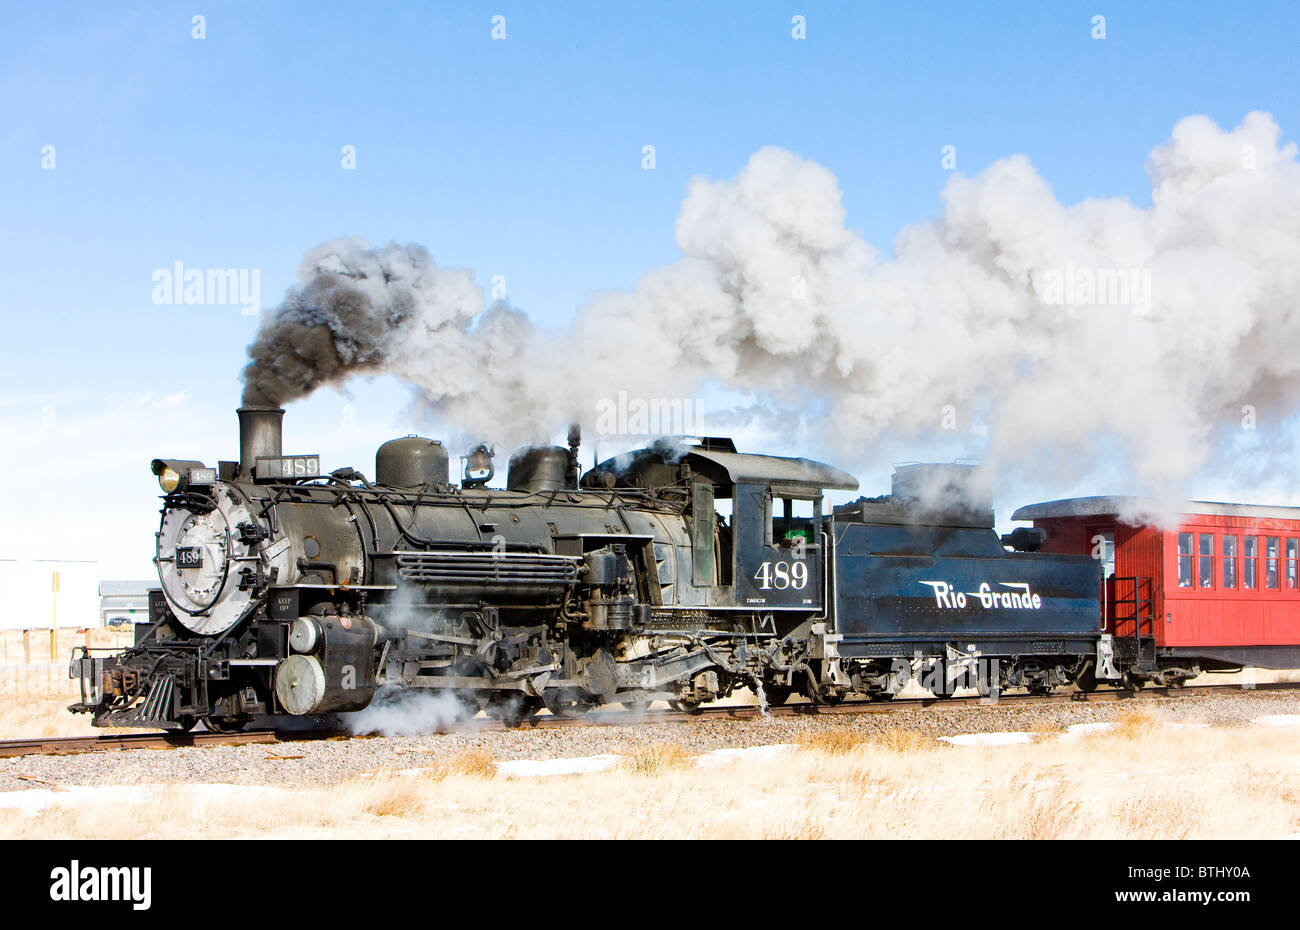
[(519, 157)]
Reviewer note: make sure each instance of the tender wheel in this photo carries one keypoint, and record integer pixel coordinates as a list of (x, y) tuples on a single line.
[(685, 707), (937, 672), (827, 698), (567, 703), (636, 707), (1086, 680), (230, 723), (1131, 682)]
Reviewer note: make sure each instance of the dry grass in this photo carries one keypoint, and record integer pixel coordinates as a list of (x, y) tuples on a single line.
[(658, 759), (472, 763), (34, 697), (1134, 723), (388, 794), (894, 740), (832, 742), (1145, 781)]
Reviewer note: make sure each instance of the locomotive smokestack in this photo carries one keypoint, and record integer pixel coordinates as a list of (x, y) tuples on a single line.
[(259, 435)]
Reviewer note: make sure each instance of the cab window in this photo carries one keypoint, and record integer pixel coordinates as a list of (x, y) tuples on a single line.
[(789, 519)]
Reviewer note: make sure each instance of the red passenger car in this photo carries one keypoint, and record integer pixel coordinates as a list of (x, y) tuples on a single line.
[(1220, 590)]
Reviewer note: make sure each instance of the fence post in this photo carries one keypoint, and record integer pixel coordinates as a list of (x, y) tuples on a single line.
[(27, 647)]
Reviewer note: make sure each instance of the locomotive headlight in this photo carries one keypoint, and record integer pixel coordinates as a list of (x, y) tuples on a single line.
[(173, 473), (168, 480)]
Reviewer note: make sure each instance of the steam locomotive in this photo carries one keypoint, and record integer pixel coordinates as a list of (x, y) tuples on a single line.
[(679, 572)]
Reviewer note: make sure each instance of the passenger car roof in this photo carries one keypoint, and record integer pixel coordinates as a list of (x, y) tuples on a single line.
[(1118, 505)]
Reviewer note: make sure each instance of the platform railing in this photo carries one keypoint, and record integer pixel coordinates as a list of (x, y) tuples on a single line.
[(1132, 604)]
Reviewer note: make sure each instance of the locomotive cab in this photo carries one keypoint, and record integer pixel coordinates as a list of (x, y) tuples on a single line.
[(770, 554)]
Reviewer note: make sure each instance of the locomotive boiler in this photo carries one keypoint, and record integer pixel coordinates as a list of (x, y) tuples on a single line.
[(678, 572)]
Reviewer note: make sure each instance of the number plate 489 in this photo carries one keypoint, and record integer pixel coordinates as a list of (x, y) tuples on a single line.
[(781, 576)]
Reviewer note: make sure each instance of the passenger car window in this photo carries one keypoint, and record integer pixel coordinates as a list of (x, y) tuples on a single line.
[(1205, 561), (1184, 560), (1230, 561)]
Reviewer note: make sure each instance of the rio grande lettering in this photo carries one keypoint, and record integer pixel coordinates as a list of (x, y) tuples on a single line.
[(1018, 598)]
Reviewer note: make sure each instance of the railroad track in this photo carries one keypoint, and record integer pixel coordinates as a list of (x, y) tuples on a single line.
[(67, 745)]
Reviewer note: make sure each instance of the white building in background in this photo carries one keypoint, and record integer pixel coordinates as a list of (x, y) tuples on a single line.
[(124, 601), (44, 593)]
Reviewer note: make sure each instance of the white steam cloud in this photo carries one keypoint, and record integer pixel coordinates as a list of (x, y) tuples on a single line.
[(408, 712), (1071, 332)]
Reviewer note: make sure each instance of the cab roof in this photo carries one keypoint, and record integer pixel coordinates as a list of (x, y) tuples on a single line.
[(718, 461)]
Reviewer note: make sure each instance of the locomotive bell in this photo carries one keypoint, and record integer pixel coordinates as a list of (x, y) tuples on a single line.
[(479, 469), (410, 462)]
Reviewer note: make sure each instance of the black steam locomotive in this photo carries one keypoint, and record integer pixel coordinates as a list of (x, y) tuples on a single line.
[(286, 591)]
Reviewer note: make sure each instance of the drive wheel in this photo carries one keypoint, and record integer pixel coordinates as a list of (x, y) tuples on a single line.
[(511, 709), (685, 707), (227, 723), (1086, 680), (636, 707)]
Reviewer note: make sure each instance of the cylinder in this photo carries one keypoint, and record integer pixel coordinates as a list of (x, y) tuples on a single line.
[(410, 462), (259, 435)]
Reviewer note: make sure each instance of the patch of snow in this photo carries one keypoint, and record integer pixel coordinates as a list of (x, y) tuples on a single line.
[(34, 800), (748, 754), (1075, 730), (534, 768), (1278, 720), (1005, 738)]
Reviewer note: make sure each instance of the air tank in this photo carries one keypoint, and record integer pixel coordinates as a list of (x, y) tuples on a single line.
[(410, 462)]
